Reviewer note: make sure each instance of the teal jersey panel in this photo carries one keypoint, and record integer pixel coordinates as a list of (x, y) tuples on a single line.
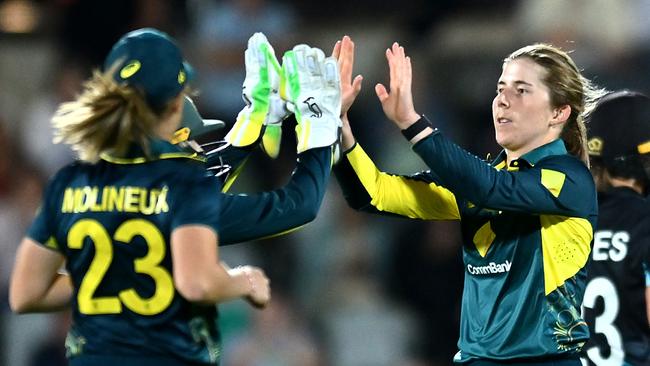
[(113, 221)]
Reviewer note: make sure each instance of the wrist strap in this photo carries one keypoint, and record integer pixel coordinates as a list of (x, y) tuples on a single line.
[(417, 127)]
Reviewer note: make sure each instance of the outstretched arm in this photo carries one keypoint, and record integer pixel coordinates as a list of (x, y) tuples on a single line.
[(254, 216), (311, 86)]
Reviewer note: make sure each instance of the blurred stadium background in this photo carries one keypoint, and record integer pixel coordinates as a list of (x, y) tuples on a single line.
[(349, 289)]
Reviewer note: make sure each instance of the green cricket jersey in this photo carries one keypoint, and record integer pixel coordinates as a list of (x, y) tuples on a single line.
[(125, 209), (526, 229)]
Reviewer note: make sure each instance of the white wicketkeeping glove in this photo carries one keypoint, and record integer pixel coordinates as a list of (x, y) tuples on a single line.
[(277, 112), (264, 107), (312, 88)]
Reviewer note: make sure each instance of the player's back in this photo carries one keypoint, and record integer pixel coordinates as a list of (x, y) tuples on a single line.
[(113, 221), (615, 304)]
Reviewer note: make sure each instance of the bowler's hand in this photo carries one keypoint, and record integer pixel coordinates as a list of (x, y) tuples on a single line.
[(344, 53), (398, 102)]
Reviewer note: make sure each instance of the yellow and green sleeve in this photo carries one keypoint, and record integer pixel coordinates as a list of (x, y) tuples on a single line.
[(418, 196)]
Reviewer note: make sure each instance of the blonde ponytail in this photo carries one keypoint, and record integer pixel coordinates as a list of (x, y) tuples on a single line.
[(105, 118)]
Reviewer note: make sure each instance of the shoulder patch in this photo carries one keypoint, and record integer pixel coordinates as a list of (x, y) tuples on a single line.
[(553, 181)]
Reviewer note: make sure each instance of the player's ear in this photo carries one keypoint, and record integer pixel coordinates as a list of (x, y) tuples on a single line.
[(560, 115)]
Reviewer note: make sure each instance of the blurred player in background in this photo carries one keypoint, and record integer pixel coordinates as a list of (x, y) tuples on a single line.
[(617, 296), (527, 217), (131, 180)]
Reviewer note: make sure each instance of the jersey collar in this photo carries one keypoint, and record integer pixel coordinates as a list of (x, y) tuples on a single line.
[(555, 147), (160, 149)]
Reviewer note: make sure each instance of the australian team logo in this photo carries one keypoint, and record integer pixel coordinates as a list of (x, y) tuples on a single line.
[(130, 69), (595, 146), (313, 107)]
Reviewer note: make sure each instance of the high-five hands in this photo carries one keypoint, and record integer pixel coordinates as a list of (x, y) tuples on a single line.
[(344, 53), (307, 84), (312, 87), (264, 107), (398, 102)]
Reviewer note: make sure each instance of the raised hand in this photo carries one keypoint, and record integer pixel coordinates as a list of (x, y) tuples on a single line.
[(263, 107), (278, 111), (311, 87), (398, 102), (344, 53)]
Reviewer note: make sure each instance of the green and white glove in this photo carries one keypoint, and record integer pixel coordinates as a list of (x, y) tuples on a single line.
[(278, 110), (312, 88), (264, 107)]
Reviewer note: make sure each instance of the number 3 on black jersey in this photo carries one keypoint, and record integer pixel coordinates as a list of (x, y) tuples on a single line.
[(148, 265)]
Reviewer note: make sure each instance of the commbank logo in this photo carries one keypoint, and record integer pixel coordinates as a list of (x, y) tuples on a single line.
[(492, 268), (313, 107)]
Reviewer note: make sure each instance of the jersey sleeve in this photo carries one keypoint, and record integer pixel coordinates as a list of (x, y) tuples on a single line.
[(252, 216), (196, 200), (418, 196), (227, 161), (42, 229), (558, 185)]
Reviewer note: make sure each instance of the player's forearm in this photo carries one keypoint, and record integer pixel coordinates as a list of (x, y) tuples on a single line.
[(249, 217), (58, 297), (215, 286)]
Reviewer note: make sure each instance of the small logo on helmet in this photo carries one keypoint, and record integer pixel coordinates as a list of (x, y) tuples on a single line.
[(182, 77), (595, 146), (313, 107), (130, 69)]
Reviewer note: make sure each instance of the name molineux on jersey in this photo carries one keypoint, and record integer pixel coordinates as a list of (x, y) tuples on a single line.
[(115, 199), (491, 268)]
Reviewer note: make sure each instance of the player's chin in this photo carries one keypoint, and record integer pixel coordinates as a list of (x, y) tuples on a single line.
[(502, 139)]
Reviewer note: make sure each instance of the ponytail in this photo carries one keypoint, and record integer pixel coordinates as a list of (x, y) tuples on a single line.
[(574, 135), (105, 118)]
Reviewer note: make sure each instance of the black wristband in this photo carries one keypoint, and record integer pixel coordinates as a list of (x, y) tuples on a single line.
[(417, 127)]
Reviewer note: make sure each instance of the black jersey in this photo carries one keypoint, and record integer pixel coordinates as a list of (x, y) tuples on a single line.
[(614, 301)]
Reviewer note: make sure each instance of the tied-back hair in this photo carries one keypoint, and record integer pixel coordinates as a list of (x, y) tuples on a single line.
[(105, 118), (567, 86)]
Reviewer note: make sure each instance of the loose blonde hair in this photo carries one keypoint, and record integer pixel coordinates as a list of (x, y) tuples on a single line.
[(106, 118), (567, 86)]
